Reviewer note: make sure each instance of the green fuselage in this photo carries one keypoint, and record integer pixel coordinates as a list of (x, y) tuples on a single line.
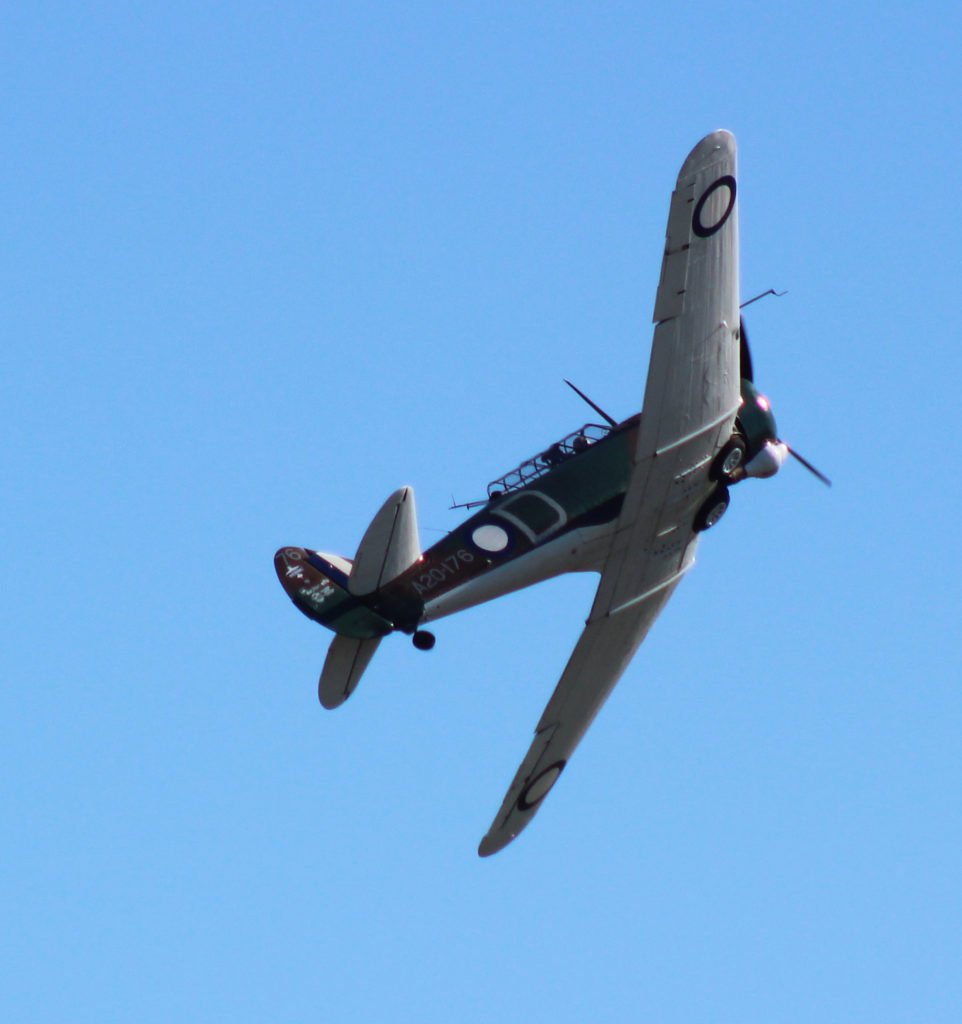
[(573, 490), (577, 484)]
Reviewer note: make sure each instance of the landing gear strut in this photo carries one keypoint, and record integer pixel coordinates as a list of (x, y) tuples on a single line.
[(423, 640)]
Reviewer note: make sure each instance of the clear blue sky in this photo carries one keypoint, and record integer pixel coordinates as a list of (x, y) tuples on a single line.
[(262, 264)]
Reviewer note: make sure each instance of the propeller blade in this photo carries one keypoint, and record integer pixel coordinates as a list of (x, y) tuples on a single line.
[(825, 480), (744, 352)]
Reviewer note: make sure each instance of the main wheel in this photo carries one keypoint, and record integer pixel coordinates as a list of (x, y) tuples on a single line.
[(728, 460), (423, 640), (712, 510)]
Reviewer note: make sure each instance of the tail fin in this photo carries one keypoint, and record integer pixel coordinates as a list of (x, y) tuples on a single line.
[(333, 591), (389, 546), (347, 658)]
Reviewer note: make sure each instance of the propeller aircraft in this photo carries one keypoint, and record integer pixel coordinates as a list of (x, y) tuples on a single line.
[(628, 500)]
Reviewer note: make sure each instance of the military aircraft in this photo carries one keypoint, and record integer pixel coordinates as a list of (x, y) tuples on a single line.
[(628, 500)]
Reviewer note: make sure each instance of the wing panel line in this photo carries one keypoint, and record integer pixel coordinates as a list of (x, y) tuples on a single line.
[(670, 581), (698, 433)]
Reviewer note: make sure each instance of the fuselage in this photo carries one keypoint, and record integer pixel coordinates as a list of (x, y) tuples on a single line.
[(552, 514)]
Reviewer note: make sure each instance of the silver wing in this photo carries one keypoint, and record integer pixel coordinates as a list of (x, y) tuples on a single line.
[(691, 398)]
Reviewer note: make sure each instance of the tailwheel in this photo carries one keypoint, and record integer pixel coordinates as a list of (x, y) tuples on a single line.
[(728, 460), (712, 510), (423, 640)]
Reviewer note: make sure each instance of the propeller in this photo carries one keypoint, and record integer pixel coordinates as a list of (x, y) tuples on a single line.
[(744, 352), (791, 451), (747, 373)]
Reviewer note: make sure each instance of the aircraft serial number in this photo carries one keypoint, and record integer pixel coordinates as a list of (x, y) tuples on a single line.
[(445, 569)]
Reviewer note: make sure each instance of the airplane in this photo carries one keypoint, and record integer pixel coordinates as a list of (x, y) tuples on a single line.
[(628, 500)]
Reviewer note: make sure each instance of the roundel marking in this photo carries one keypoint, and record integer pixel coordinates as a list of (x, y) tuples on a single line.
[(540, 786), (707, 230), (491, 537)]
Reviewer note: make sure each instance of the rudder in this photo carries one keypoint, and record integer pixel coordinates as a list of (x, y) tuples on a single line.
[(390, 545)]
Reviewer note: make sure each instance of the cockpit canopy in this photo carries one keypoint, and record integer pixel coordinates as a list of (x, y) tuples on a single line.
[(568, 447)]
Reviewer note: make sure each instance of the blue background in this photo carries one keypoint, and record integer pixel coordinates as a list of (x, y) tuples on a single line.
[(262, 264)]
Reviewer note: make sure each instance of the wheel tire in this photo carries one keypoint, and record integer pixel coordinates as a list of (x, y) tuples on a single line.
[(423, 640), (712, 510), (728, 459)]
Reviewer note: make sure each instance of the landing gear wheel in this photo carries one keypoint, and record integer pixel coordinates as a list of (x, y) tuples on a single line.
[(728, 460), (423, 640), (712, 510)]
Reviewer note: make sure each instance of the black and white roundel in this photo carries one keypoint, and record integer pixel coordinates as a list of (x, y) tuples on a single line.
[(539, 787), (714, 207), (491, 538)]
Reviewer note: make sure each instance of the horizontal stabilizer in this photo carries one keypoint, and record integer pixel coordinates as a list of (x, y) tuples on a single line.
[(346, 661), (389, 546)]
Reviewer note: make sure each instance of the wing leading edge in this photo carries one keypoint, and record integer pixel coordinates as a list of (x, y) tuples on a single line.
[(691, 399)]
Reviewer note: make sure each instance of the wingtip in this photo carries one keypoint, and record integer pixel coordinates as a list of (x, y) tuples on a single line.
[(709, 150), (492, 843), (330, 701)]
